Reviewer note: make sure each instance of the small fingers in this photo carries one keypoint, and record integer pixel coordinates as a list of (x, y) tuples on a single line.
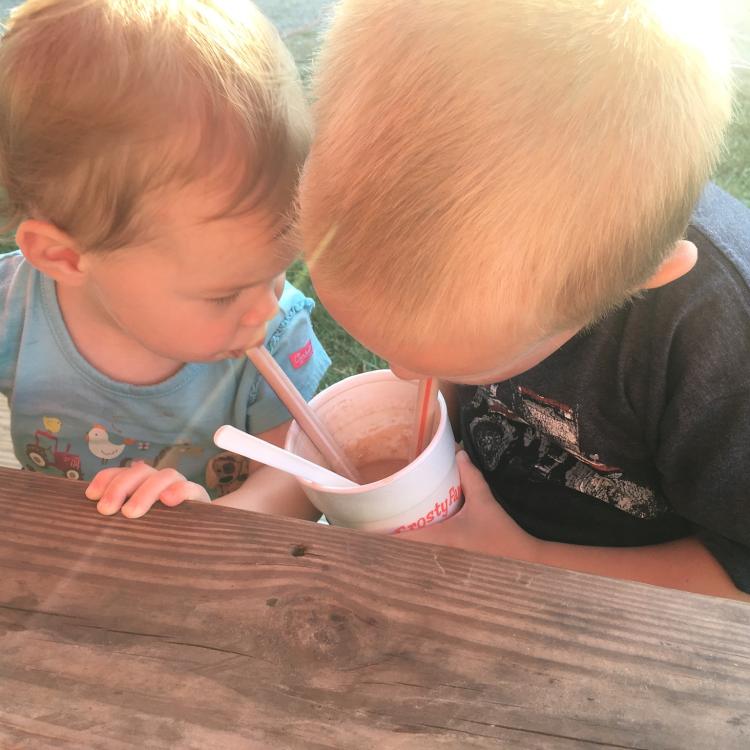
[(466, 468), (182, 490), (167, 486), (473, 484), (120, 484), (142, 498), (100, 482)]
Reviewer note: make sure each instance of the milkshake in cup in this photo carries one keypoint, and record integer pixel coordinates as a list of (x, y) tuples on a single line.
[(371, 416)]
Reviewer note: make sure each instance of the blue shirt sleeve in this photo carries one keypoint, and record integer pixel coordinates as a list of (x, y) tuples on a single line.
[(15, 278), (294, 345)]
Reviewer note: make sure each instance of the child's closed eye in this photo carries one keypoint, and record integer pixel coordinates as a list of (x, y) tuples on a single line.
[(227, 300)]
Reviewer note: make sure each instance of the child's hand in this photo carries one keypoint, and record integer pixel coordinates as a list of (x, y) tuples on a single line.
[(481, 525), (134, 489)]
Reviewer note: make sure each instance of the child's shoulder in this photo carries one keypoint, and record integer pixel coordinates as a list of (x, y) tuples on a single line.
[(14, 273), (293, 300), (294, 309), (720, 226), (10, 262), (700, 321), (14, 285)]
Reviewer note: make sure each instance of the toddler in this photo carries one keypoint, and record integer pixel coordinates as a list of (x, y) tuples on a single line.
[(149, 155)]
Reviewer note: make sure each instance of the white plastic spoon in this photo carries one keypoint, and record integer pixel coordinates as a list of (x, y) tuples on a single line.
[(231, 439)]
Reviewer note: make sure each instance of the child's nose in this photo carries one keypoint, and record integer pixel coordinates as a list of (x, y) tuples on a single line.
[(264, 308)]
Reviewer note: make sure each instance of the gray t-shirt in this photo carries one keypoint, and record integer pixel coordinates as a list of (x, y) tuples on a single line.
[(637, 431), (68, 419)]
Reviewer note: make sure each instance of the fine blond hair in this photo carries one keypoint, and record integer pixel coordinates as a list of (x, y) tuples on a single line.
[(103, 102), (536, 159)]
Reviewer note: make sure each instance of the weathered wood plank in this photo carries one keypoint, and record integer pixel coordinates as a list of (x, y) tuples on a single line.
[(207, 627)]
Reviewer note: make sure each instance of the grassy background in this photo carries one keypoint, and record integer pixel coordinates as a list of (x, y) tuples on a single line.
[(300, 21), (734, 171)]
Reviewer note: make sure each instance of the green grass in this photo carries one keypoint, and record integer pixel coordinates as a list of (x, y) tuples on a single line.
[(733, 173)]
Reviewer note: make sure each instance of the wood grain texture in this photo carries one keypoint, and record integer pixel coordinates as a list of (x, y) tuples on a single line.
[(206, 627)]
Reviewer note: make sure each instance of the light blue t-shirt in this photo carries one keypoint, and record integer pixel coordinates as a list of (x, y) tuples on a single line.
[(68, 419)]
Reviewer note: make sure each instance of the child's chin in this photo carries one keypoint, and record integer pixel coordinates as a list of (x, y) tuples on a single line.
[(219, 356)]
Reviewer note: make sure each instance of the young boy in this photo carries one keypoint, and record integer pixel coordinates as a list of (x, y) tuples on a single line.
[(149, 152), (497, 196)]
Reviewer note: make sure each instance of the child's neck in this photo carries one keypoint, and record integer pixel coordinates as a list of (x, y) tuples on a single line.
[(105, 345)]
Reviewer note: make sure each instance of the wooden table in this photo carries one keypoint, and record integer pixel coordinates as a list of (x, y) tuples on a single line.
[(203, 627)]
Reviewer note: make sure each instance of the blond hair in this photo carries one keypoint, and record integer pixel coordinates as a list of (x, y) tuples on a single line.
[(533, 158), (103, 102)]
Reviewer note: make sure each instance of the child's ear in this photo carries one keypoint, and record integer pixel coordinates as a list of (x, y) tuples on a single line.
[(51, 251), (681, 260)]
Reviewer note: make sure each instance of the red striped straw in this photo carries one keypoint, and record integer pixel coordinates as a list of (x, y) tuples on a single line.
[(426, 408), (305, 417)]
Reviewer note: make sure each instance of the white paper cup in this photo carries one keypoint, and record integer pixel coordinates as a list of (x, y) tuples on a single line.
[(371, 416)]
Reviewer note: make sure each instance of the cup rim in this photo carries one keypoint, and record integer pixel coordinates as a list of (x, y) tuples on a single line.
[(346, 384)]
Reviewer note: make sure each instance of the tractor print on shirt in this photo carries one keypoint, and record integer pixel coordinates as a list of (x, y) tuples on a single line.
[(45, 453)]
